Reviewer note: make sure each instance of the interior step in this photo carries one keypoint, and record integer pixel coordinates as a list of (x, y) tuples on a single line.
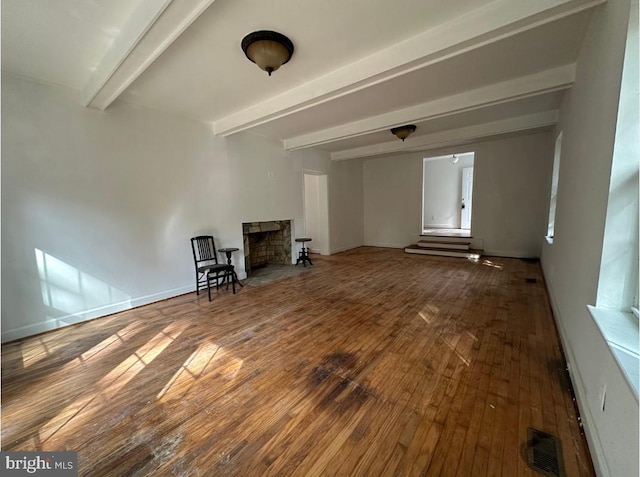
[(449, 244), (450, 233), (442, 252)]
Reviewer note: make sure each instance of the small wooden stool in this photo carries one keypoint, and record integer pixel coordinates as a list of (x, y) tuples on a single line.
[(304, 253)]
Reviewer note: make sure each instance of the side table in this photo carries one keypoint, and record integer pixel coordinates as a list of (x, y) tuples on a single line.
[(228, 252)]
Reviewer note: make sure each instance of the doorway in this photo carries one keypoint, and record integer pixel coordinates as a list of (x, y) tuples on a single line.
[(447, 194), (316, 211), (467, 198)]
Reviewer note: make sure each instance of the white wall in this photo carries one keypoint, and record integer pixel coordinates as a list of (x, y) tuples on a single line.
[(443, 190), (346, 205), (572, 263), (262, 182), (392, 200), (512, 180), (98, 207), (510, 195), (106, 203)]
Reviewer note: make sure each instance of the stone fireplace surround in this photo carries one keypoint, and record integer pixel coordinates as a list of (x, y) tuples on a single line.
[(266, 243)]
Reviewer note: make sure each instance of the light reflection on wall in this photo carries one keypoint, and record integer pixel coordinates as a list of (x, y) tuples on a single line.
[(66, 290)]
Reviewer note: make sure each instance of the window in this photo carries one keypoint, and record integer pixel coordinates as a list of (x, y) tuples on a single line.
[(554, 188), (618, 282)]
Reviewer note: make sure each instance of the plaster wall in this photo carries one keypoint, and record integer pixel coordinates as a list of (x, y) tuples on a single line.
[(98, 207), (510, 196), (571, 264)]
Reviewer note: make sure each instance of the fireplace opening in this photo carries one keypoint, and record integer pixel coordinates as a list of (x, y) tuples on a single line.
[(266, 243)]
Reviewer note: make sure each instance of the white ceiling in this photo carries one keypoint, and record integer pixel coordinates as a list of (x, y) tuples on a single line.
[(60, 41), (460, 70)]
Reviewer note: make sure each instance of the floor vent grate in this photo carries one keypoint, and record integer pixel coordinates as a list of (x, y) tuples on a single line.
[(531, 280), (544, 453)]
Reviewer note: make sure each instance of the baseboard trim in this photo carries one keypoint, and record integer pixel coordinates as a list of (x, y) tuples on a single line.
[(343, 249), (86, 315), (386, 245), (497, 253), (593, 441)]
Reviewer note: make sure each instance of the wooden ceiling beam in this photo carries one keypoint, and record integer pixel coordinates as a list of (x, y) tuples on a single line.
[(154, 25)]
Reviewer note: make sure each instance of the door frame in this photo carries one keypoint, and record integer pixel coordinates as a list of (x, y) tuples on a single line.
[(466, 202), (323, 204)]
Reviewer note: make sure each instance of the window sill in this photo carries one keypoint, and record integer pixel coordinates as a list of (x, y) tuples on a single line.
[(620, 330)]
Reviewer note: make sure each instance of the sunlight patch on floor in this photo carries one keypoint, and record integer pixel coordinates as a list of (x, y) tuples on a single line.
[(82, 410), (428, 313), (192, 369), (39, 350)]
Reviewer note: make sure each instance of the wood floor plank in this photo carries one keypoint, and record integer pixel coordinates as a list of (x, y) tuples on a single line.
[(369, 362)]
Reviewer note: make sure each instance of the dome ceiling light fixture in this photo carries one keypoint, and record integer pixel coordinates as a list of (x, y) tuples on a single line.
[(402, 132), (267, 49)]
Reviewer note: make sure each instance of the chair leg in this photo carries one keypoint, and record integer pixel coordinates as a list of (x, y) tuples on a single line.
[(209, 286), (197, 284)]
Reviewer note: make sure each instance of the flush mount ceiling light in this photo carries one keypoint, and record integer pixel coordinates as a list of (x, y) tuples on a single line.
[(402, 132), (267, 49)]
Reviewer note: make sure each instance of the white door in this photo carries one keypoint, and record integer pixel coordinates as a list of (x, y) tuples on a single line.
[(467, 194), (316, 212)]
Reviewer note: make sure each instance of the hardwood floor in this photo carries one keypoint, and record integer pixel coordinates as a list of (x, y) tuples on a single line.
[(372, 362)]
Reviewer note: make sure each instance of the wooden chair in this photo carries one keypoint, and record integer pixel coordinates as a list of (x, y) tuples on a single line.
[(208, 269)]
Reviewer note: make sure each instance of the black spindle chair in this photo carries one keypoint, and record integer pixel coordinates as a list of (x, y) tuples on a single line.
[(207, 267)]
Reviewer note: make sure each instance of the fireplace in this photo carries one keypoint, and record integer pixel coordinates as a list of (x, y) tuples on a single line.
[(266, 243)]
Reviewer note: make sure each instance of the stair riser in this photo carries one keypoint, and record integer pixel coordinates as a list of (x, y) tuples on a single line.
[(451, 246), (442, 253), (435, 238)]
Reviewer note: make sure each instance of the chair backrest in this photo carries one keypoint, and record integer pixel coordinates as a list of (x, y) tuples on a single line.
[(204, 250)]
